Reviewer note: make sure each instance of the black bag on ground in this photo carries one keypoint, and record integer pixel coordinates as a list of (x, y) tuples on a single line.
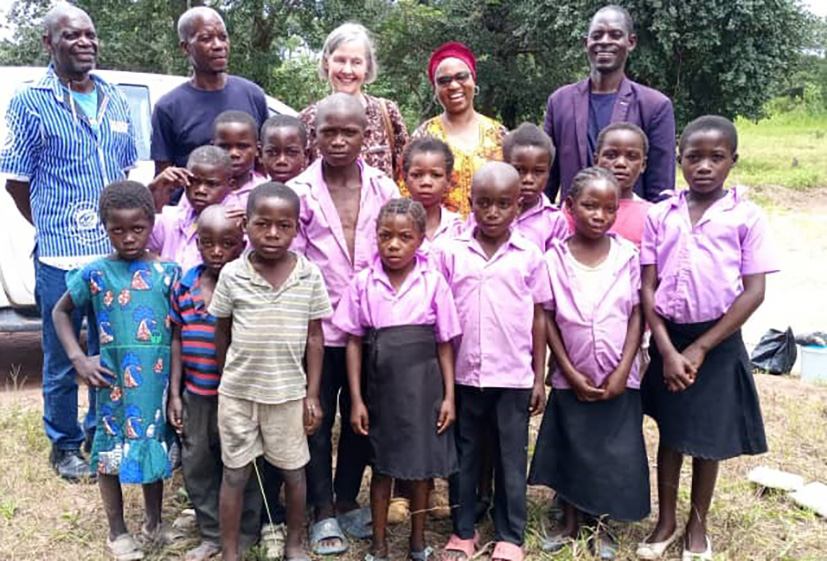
[(776, 352)]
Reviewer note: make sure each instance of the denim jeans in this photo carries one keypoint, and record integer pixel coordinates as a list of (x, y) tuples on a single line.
[(60, 389)]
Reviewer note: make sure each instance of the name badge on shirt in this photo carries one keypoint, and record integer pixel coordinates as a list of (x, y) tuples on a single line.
[(119, 126)]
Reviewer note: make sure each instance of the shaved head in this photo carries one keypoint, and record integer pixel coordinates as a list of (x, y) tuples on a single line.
[(215, 218), (52, 21), (496, 173), (341, 103)]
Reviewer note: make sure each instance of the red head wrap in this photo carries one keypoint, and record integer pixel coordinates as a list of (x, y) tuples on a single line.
[(452, 50)]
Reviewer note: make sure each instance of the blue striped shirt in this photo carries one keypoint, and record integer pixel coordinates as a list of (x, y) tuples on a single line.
[(51, 145)]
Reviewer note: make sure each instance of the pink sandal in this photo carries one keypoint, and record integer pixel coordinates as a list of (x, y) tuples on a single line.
[(458, 545), (505, 551)]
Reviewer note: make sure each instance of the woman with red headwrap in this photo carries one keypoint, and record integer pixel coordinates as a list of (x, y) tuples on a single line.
[(474, 139)]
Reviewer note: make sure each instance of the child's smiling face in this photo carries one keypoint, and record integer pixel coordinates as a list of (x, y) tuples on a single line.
[(239, 140), (427, 178), (533, 163), (623, 154), (706, 159), (283, 153)]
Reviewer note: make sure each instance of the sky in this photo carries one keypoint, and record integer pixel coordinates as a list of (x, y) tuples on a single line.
[(818, 7)]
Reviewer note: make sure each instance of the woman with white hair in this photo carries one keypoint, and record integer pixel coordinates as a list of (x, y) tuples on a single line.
[(348, 63)]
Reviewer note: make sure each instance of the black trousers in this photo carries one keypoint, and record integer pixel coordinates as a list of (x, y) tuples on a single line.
[(353, 450), (505, 411), (203, 470)]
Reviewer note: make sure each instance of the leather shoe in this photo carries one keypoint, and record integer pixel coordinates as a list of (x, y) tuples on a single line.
[(71, 466)]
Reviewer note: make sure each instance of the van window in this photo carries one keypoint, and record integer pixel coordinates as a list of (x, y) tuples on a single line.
[(141, 113)]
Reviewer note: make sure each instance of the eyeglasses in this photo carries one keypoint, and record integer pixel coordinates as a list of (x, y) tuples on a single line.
[(460, 77)]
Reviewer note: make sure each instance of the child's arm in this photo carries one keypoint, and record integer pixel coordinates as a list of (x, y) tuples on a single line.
[(223, 330), (678, 372), (164, 181), (580, 384), (447, 411), (175, 408), (359, 412), (740, 311), (315, 356), (538, 360), (88, 367), (615, 384)]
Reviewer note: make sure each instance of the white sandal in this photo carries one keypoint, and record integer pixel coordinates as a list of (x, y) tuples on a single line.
[(124, 548), (705, 555), (655, 550)]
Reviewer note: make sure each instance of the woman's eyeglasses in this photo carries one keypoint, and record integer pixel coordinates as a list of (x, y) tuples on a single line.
[(460, 77)]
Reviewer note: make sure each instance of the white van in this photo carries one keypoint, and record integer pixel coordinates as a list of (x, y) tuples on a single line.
[(142, 90)]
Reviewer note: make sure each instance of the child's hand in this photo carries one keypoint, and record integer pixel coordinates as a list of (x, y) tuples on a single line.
[(447, 416), (163, 183), (695, 355), (175, 412), (613, 386), (538, 399), (234, 213), (359, 418), (312, 415), (89, 370), (678, 372), (584, 389)]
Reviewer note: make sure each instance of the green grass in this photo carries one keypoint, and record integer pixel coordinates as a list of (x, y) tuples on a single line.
[(787, 149)]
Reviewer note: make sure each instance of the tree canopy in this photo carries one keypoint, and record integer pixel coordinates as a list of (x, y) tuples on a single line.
[(710, 56)]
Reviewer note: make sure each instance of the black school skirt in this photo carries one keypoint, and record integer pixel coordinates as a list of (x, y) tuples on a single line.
[(593, 455), (716, 418), (404, 394)]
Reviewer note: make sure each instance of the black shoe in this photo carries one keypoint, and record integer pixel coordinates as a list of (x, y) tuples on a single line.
[(71, 466), (88, 437)]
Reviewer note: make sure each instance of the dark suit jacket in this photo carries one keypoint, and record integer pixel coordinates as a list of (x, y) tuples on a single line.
[(567, 123)]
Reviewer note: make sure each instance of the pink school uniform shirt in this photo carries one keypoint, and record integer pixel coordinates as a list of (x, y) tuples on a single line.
[(700, 268), (495, 299), (237, 198), (631, 217), (450, 223), (542, 223), (174, 236), (594, 338), (423, 299), (321, 238)]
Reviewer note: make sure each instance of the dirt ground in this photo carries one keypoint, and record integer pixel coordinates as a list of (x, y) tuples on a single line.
[(40, 516)]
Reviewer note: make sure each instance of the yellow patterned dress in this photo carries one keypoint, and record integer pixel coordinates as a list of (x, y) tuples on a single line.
[(489, 147)]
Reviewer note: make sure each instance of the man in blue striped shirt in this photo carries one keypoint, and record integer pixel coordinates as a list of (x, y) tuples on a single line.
[(69, 135)]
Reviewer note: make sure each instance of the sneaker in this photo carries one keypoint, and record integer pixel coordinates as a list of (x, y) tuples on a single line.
[(71, 466)]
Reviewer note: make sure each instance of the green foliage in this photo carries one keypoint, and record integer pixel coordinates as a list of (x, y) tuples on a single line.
[(711, 56)]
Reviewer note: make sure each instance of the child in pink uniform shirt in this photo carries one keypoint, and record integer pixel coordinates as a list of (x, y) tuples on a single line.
[(499, 281), (207, 183), (590, 448), (705, 255), (531, 152), (237, 133), (401, 318), (283, 147), (340, 201), (428, 164)]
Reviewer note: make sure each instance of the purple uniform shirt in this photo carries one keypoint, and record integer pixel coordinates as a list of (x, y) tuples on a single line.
[(174, 236), (423, 299), (594, 338), (450, 224), (322, 240), (700, 268), (495, 299), (543, 223)]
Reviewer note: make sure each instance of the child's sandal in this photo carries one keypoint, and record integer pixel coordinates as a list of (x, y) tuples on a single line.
[(423, 555), (506, 551), (124, 548)]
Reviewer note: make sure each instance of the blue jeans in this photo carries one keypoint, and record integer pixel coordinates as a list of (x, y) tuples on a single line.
[(60, 389)]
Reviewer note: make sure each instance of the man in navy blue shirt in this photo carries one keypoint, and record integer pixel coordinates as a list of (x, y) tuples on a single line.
[(69, 135), (183, 118)]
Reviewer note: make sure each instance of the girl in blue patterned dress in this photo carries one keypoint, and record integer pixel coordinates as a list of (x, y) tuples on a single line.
[(129, 291)]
